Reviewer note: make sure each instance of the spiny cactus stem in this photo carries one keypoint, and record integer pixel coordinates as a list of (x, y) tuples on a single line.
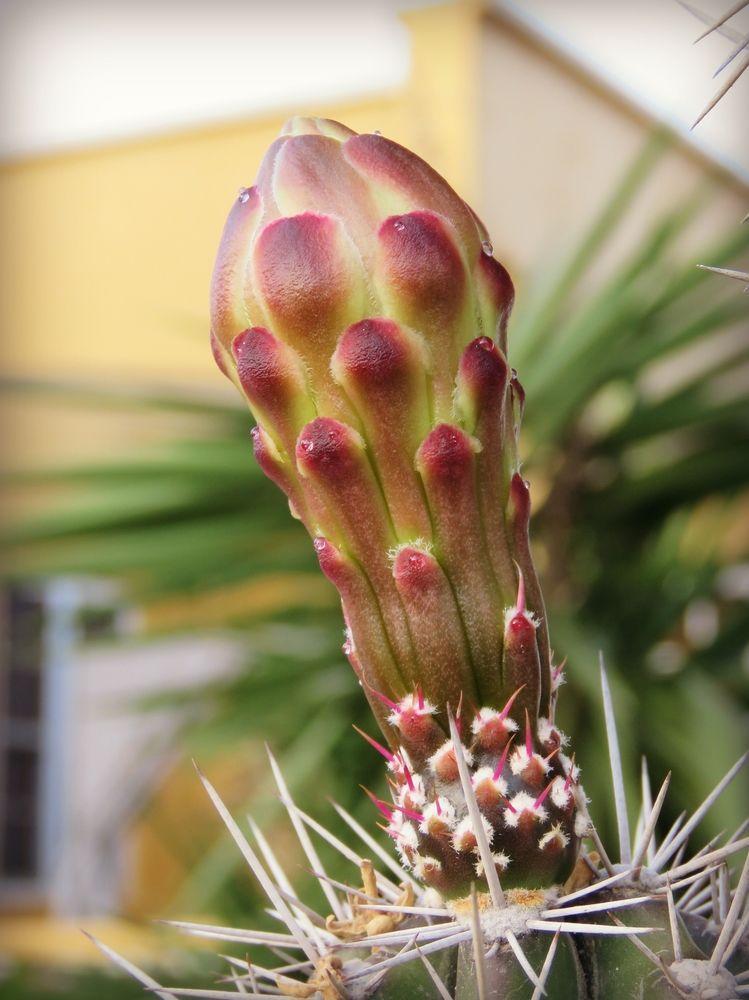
[(385, 901)]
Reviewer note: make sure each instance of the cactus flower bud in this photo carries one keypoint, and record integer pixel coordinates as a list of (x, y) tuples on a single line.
[(357, 305)]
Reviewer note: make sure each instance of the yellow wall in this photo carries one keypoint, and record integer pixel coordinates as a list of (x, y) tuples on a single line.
[(107, 252)]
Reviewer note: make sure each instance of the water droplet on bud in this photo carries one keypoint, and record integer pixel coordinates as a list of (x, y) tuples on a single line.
[(244, 195), (399, 226), (487, 248)]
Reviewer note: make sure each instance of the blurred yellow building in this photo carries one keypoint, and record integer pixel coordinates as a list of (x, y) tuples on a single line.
[(107, 255)]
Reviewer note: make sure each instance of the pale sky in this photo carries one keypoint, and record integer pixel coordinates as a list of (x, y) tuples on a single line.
[(76, 72)]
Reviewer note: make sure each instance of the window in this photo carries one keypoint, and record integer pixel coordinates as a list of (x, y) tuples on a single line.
[(21, 712)]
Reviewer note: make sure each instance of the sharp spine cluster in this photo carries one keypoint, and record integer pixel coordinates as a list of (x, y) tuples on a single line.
[(701, 953)]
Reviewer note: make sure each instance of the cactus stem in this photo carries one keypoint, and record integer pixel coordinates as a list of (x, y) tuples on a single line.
[(515, 916)]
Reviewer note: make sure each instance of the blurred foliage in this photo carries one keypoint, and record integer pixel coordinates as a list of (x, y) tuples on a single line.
[(636, 436), (34, 982)]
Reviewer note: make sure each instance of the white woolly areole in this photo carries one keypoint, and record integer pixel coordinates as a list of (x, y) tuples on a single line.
[(519, 760), (396, 822), (568, 766), (581, 798), (694, 976), (432, 898), (513, 612), (497, 922), (396, 764), (500, 859), (546, 730), (422, 544), (465, 830), (487, 774), (581, 824), (445, 815), (412, 704), (560, 796), (408, 835), (486, 715), (557, 679), (439, 755), (556, 833), (417, 794), (522, 802), (422, 865)]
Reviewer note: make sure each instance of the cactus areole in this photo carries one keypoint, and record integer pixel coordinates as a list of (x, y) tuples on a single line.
[(358, 307)]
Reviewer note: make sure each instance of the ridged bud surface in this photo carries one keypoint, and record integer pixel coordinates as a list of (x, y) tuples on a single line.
[(357, 305)]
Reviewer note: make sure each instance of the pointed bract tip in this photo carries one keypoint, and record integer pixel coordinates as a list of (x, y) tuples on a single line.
[(506, 710), (389, 757), (502, 760)]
